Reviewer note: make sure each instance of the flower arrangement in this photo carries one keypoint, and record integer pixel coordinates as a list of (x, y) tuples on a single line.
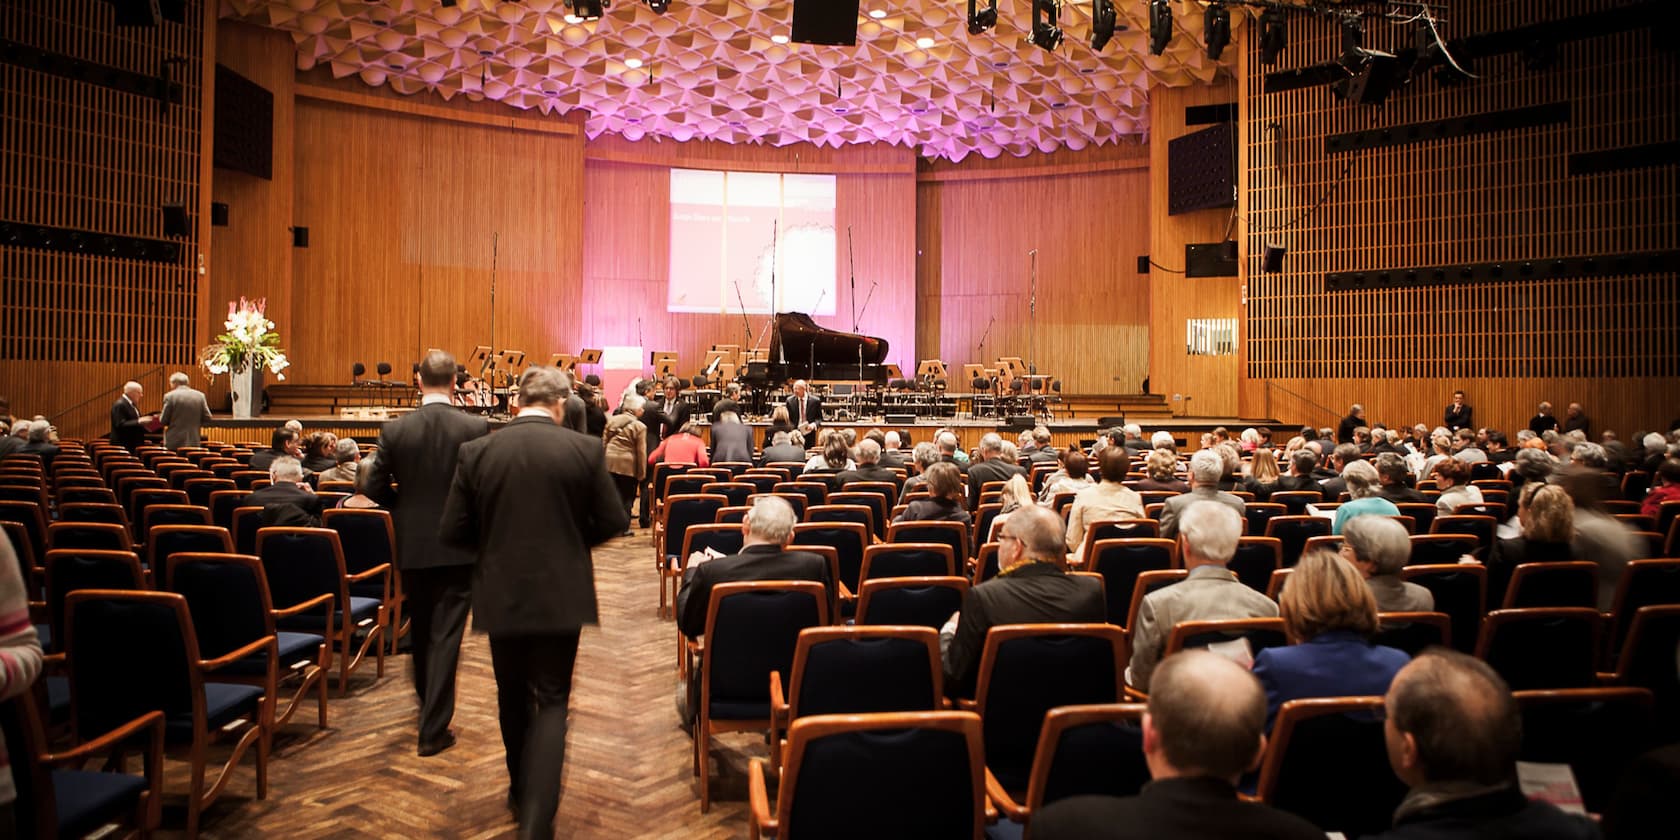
[(250, 340)]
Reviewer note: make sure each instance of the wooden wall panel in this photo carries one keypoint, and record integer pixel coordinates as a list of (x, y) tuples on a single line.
[(90, 158), (407, 217), (1208, 382), (1503, 196), (1087, 219), (627, 239)]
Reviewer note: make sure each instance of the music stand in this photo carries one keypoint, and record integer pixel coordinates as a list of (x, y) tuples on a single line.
[(931, 368), (664, 363), (511, 363), (973, 372), (589, 357), (478, 359), (564, 361)]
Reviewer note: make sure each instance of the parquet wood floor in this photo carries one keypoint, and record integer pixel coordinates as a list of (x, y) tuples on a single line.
[(627, 762)]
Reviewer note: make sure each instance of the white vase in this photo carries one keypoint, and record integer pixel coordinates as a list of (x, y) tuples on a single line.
[(243, 407)]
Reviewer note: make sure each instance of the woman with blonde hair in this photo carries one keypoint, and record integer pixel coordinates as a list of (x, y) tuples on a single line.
[(1016, 494), (1329, 615), (1262, 475), (1546, 514), (1159, 466)]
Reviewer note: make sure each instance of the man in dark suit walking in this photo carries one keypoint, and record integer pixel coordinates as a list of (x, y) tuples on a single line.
[(767, 529), (805, 409), (417, 454), (531, 501), (128, 425)]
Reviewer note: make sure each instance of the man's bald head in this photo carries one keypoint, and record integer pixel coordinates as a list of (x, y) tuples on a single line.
[(1208, 715), (1460, 717)]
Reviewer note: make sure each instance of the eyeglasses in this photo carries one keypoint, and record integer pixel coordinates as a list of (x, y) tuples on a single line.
[(1003, 536)]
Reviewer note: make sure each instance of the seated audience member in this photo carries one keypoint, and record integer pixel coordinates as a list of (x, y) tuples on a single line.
[(1163, 440), (1016, 494), (321, 452), (1108, 499), (1465, 448), (1132, 439), (1202, 731), (1334, 485), (1329, 615), (925, 455), (766, 531), (1599, 537), (1453, 477), (1301, 465), (731, 439), (892, 456), (284, 443), (1030, 588), (1454, 732), (994, 465), (1207, 539), (1652, 453), (684, 447), (1362, 439), (1546, 515), (40, 443), (288, 501), (10, 442), (779, 422), (1262, 475), (834, 459), (1379, 548), (1498, 447), (1529, 465), (1440, 449), (1074, 476), (946, 502), (1395, 478), (1205, 469), (782, 449), (950, 450), (868, 466), (1362, 484), (1042, 452), (364, 478), (348, 457), (1158, 467), (1249, 440), (1667, 488), (1230, 476)]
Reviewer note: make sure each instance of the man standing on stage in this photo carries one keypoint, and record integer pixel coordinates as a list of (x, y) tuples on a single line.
[(532, 500), (805, 410), (418, 453)]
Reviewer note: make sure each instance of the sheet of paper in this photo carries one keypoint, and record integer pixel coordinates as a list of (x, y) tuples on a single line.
[(1236, 650), (1554, 783)]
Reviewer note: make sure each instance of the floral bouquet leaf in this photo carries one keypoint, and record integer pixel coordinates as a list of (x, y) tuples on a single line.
[(250, 342)]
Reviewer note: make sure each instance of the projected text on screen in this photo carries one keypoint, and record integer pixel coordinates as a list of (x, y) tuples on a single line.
[(721, 227)]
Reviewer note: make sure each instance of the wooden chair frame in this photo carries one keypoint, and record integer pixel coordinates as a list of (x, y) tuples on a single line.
[(869, 587), (784, 705), (873, 551), (1058, 721), (342, 636), (1183, 630), (40, 761)]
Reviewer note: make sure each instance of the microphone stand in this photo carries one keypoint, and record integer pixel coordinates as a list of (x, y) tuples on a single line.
[(1032, 318), (988, 331), (746, 325), (851, 270), (775, 233)]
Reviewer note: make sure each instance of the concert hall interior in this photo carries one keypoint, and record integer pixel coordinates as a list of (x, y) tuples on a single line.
[(986, 217)]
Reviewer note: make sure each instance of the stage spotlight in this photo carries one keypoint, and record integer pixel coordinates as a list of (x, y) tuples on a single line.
[(980, 20), (1045, 33), (1216, 29), (659, 7), (1160, 26), (588, 9), (1273, 37), (1103, 19)]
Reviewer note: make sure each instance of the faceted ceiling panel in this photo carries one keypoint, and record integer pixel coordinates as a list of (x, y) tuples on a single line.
[(723, 70)]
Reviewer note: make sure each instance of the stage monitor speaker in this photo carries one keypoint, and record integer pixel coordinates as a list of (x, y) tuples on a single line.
[(300, 237), (1209, 259), (827, 22), (901, 419), (218, 214), (1111, 422), (1019, 422), (175, 219)]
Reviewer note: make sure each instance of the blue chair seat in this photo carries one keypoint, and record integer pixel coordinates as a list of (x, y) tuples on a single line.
[(293, 646), (58, 698), (43, 632), (360, 608), (740, 709), (223, 703), (87, 800)]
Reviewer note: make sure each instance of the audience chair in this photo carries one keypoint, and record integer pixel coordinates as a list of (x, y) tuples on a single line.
[(1569, 583), (1327, 762), (889, 560), (1297, 500), (88, 535), (1412, 632), (131, 653), (301, 565), (161, 515), (752, 629), (1062, 503), (984, 516), (1643, 583), (896, 774), (246, 522), (856, 670), (1260, 633), (1146, 583), (731, 515), (1481, 527), (879, 506), (953, 534), (1094, 750), (1274, 587), (93, 512), (1256, 559), (679, 512), (1293, 531), (1441, 549), (1596, 731), (84, 494), (32, 519), (1258, 514), (165, 540), (848, 539), (1635, 484), (861, 514), (723, 537), (1460, 591), (1117, 529), (985, 563), (814, 491), (920, 601), (369, 540), (227, 595), (57, 797), (1422, 514), (760, 483), (736, 492), (1543, 647), (223, 503), (1120, 562), (1647, 660), (1028, 669)]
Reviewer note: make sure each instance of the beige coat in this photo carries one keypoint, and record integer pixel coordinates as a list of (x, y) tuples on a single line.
[(626, 440)]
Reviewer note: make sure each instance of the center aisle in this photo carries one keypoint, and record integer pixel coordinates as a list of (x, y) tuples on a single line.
[(627, 763)]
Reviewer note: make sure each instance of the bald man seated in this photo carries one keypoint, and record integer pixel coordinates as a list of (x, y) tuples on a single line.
[(1202, 731)]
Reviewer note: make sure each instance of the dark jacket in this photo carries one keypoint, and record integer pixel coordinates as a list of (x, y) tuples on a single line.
[(933, 510), (893, 458), (725, 404), (1191, 808), (419, 452), (1037, 593), (868, 472), (1292, 483), (755, 562), (126, 430), (785, 453), (531, 501), (991, 469), (1504, 812), (1459, 417), (1541, 423), (732, 442), (1344, 430), (1398, 493), (262, 459), (286, 505), (813, 410), (576, 416)]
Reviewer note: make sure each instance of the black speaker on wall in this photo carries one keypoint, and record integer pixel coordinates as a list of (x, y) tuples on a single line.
[(1273, 263), (1143, 264), (218, 214), (828, 22), (175, 219), (300, 237)]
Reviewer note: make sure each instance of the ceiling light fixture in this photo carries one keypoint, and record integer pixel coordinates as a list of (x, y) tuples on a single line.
[(778, 39), (633, 63), (659, 7), (1160, 26), (1045, 33), (877, 13), (588, 9), (1104, 22), (1216, 29), (1273, 36), (572, 19), (980, 20), (924, 42)]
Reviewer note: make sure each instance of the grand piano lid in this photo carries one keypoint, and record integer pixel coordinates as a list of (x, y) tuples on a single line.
[(800, 339)]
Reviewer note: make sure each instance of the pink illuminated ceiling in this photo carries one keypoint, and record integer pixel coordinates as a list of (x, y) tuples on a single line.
[(716, 70)]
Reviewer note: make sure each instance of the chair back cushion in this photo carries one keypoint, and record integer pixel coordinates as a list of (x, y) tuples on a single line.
[(752, 634), (883, 783), (226, 603), (127, 658), (1029, 677)]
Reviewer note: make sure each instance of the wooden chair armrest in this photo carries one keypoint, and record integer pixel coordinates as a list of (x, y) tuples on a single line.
[(232, 656), (845, 593), (376, 571), (778, 704), (966, 705), (1609, 678), (763, 823), (83, 751), (991, 814), (1135, 696), (54, 663), (1001, 799), (304, 607)]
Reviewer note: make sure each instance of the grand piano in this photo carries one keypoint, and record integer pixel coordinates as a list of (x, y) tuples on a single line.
[(799, 349)]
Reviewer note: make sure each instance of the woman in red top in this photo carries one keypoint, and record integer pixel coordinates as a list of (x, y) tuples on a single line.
[(684, 447), (1668, 491)]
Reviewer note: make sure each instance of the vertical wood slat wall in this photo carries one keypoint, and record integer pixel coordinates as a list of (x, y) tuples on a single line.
[(1503, 196), (86, 157)]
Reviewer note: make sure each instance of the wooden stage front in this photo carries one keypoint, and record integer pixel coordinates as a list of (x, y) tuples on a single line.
[(1186, 431)]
